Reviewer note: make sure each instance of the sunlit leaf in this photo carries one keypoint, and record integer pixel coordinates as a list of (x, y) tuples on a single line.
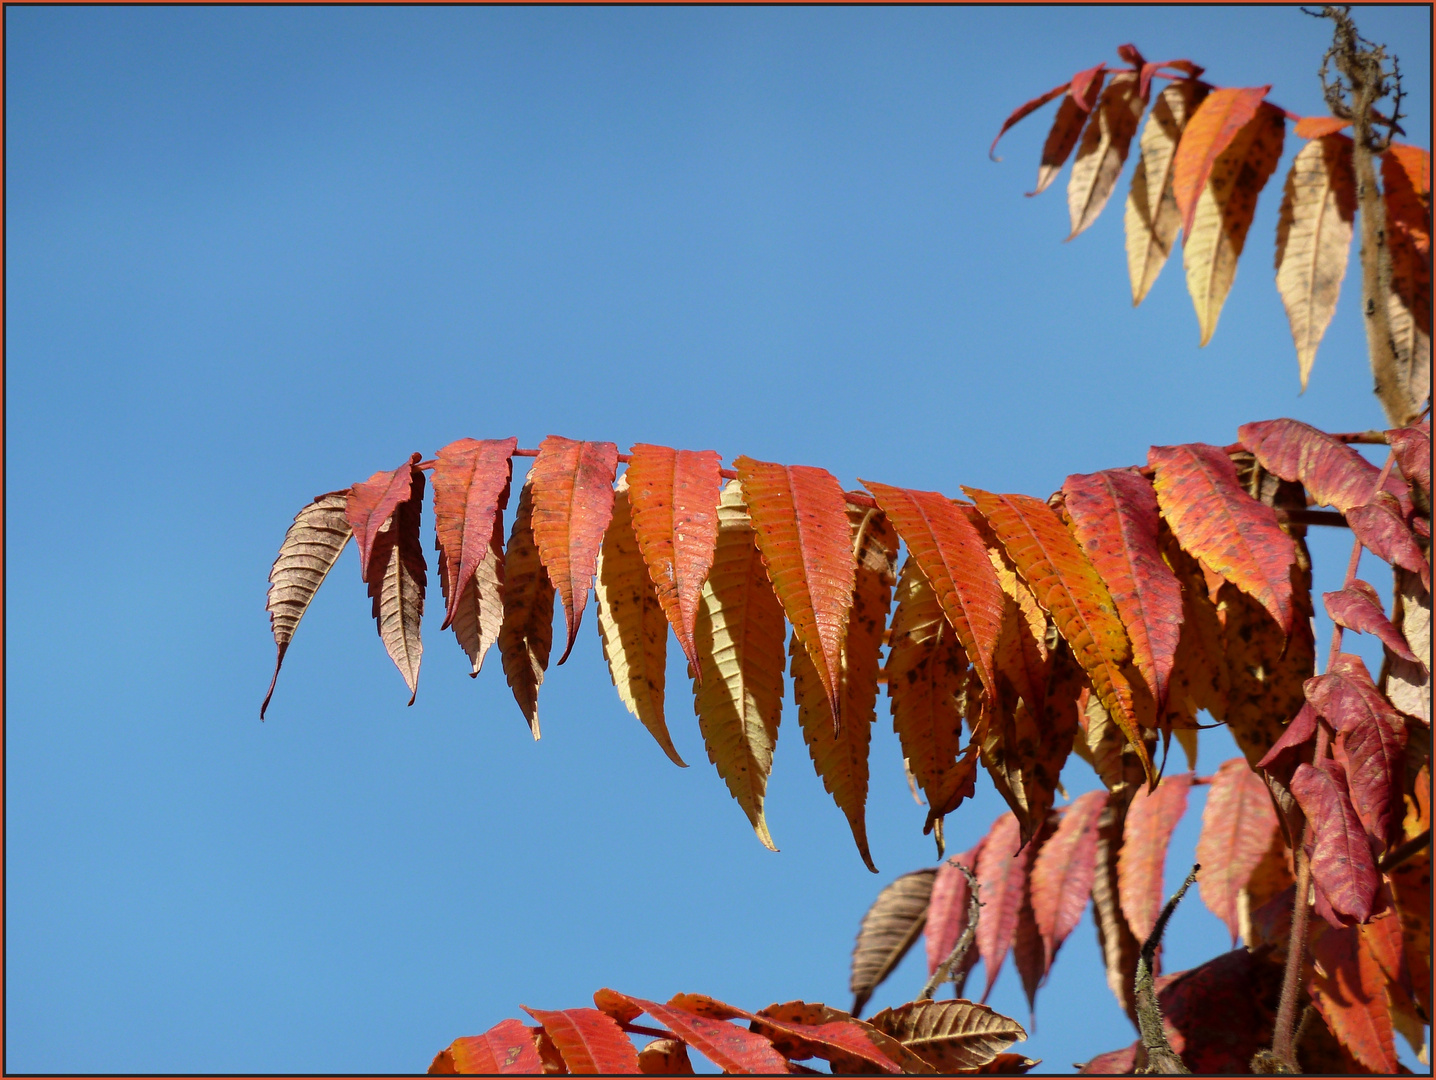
[(1341, 862), (1358, 607), (507, 1047), (1103, 151), (950, 1035), (526, 635), (1150, 820), (1238, 825), (590, 1041), (888, 931), (1152, 216)]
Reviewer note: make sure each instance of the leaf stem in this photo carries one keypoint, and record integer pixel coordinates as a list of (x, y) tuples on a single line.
[(964, 942)]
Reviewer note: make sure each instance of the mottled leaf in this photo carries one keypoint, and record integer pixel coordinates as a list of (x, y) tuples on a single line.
[(1001, 877), (731, 1048), (590, 1041), (1150, 820), (1332, 472), (800, 517), (572, 503), (1152, 217), (1218, 1015), (674, 495), (526, 635), (1341, 862), (1063, 872), (798, 1026), (1214, 128), (1103, 151), (371, 504), (947, 914), (311, 547), (840, 756), (739, 634), (1218, 522), (1115, 518), (471, 490), (396, 572), (1238, 825), (1358, 607), (507, 1047), (665, 1057), (1411, 887), (950, 1035), (1313, 239), (1381, 530), (888, 931), (945, 544), (631, 623), (1412, 447), (1216, 223)]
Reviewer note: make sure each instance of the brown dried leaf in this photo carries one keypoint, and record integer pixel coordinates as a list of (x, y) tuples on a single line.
[(888, 931), (950, 1035), (1153, 218), (1103, 152)]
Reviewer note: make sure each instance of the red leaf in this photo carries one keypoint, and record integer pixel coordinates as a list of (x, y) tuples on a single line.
[(1300, 731), (1370, 741), (1079, 89), (1063, 872), (1071, 591), (572, 505), (675, 517), (1412, 447), (1001, 875), (731, 1048), (1214, 519), (1238, 824), (800, 516), (1029, 953), (507, 1047), (1381, 530), (1218, 119), (590, 1041), (1150, 821), (1332, 472), (1349, 991), (1114, 515), (1358, 607), (947, 912), (1062, 137), (1315, 127), (1341, 862), (471, 489), (371, 504), (952, 556), (1219, 1014)]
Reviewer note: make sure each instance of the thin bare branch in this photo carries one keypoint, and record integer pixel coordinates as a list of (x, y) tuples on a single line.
[(1162, 1060), (964, 942)]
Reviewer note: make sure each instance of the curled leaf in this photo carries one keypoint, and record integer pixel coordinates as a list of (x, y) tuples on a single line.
[(1358, 607), (1341, 863), (526, 635)]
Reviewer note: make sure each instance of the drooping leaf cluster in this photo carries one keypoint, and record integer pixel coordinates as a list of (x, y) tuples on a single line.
[(1204, 155)]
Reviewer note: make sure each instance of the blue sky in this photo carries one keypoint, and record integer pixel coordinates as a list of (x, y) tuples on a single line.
[(256, 254)]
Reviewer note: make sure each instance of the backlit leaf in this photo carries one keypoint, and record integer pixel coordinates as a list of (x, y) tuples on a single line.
[(1313, 239), (1079, 89), (674, 495), (631, 624), (1348, 989), (1341, 862), (1001, 877), (1412, 447), (1115, 518), (888, 931), (395, 572), (1217, 124), (310, 549), (799, 1030), (507, 1047), (1216, 225), (1217, 521), (1063, 871), (1150, 820), (945, 544), (947, 915), (1070, 590), (1152, 216), (1358, 607), (925, 671), (1381, 530), (1332, 472), (1316, 127), (471, 490), (739, 635), (526, 635), (1238, 825), (800, 517), (1105, 143), (590, 1041), (572, 485), (731, 1048), (841, 756), (950, 1035), (1411, 887)]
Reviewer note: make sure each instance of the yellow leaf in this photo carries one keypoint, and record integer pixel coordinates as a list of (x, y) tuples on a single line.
[(1103, 151), (1313, 239), (841, 758), (1153, 218), (740, 651), (1224, 213), (526, 636), (632, 623)]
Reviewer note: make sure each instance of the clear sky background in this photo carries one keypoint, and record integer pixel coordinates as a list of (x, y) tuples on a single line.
[(256, 254)]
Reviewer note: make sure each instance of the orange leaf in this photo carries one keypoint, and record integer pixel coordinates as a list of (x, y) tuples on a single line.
[(507, 1047), (1317, 127), (1001, 881), (801, 520), (665, 1057), (1348, 989), (1150, 820), (1070, 590), (590, 1041), (1063, 872), (952, 556), (1115, 518), (1103, 152), (1411, 886), (1238, 825), (471, 490), (1217, 521), (1212, 129), (526, 635), (1313, 239), (572, 504), (675, 516)]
